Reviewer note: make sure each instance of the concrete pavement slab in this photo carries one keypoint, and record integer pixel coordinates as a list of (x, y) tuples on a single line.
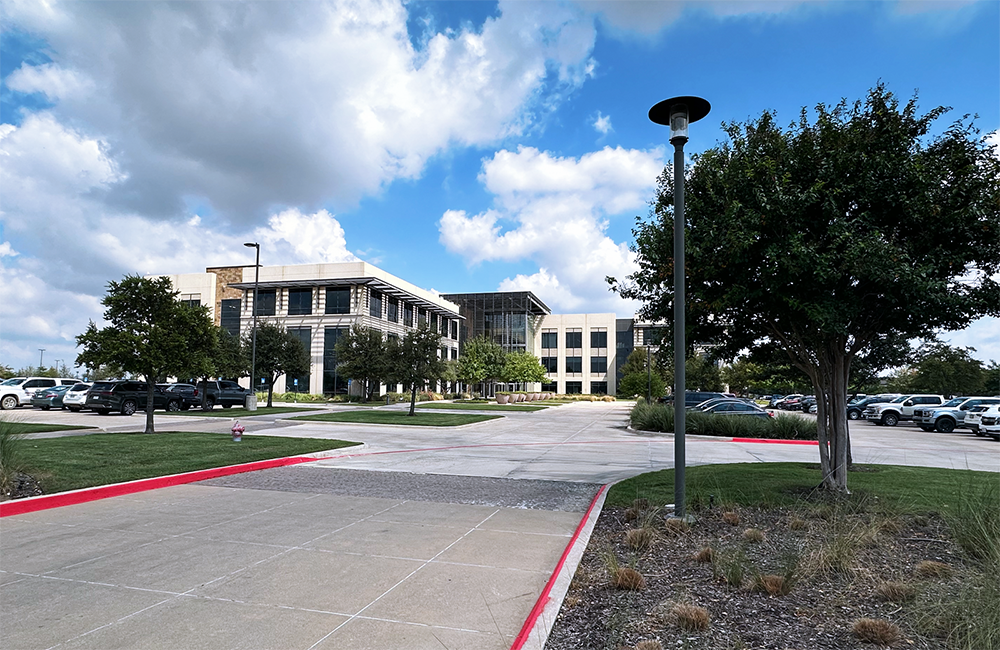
[(370, 634), (419, 541)]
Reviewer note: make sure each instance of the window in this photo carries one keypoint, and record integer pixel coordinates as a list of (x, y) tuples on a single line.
[(550, 340), (229, 317), (333, 382), (454, 353), (549, 387), (574, 387), (300, 302), (551, 364), (454, 329), (434, 322), (407, 315), (191, 299), (598, 388), (574, 364), (338, 300), (300, 383), (422, 316), (392, 310), (598, 365), (266, 301), (574, 340), (375, 304), (598, 338)]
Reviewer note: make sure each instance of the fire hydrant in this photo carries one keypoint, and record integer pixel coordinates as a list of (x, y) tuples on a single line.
[(238, 430)]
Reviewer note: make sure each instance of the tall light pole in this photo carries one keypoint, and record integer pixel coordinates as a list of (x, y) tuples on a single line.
[(41, 354), (678, 113), (253, 354)]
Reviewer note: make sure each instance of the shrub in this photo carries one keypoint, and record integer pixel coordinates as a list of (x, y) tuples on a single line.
[(732, 518), (649, 644), (623, 577), (877, 631), (932, 569), (639, 539), (705, 555), (896, 592), (660, 417), (753, 535), (797, 523), (690, 617), (773, 585), (11, 461), (730, 566)]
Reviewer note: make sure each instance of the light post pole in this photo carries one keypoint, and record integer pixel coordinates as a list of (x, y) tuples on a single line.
[(253, 353), (678, 113), (41, 354)]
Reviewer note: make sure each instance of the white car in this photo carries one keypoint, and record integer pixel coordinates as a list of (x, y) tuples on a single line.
[(18, 391), (974, 415), (75, 398), (989, 422)]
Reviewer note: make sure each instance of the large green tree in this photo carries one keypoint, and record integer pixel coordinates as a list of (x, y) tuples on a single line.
[(278, 353), (640, 377), (413, 361), (150, 333), (522, 368), (826, 235), (361, 356), (945, 370), (482, 361)]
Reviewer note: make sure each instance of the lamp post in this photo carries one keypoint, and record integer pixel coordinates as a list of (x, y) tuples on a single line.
[(253, 354), (678, 113), (41, 354)]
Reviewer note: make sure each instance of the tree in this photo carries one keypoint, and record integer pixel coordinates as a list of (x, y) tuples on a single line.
[(278, 353), (230, 358), (702, 373), (415, 361), (522, 368), (825, 236), (149, 333), (6, 372), (361, 356), (742, 376), (638, 376), (482, 360), (944, 370)]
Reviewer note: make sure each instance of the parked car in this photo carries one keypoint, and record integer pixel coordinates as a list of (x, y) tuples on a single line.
[(973, 417), (17, 391), (46, 398), (950, 415), (772, 402), (856, 409), (781, 403), (712, 402), (805, 403), (75, 398), (190, 396), (223, 392), (900, 409), (127, 397), (737, 407), (989, 422)]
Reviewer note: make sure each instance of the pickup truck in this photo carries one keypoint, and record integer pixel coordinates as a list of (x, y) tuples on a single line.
[(900, 409), (948, 416), (223, 392)]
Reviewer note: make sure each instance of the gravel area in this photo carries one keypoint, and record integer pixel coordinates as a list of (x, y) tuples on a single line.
[(440, 488)]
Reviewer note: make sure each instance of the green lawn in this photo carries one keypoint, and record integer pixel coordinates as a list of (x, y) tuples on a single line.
[(786, 484), (480, 406), (400, 417), (84, 461), (243, 413), (30, 427)]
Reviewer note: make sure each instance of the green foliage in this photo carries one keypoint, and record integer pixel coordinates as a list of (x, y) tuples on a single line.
[(6, 372), (828, 238), (278, 353), (230, 358), (522, 368), (12, 461), (636, 380), (482, 360), (361, 355), (946, 370), (660, 417), (701, 373), (742, 376), (149, 333), (414, 360)]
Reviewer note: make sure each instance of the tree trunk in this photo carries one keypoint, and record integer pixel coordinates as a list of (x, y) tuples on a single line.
[(270, 392), (413, 399), (150, 388), (830, 383)]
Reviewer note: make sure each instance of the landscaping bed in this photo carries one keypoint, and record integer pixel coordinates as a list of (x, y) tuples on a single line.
[(797, 573), (480, 406), (784, 426), (399, 418)]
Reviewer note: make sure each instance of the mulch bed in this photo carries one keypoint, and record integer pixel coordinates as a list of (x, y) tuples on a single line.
[(818, 613)]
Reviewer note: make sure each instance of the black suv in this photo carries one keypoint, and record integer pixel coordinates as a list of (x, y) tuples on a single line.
[(128, 397), (188, 394), (224, 392)]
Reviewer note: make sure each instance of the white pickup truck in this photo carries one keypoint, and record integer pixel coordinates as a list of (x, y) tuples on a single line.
[(900, 409), (948, 416)]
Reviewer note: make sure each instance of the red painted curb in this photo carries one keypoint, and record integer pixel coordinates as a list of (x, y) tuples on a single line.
[(543, 598), (777, 442), (45, 502)]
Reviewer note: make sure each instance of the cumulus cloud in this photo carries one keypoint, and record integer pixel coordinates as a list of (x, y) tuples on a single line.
[(602, 123), (556, 212)]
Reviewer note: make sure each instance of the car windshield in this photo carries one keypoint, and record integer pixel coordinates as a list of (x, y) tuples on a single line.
[(954, 402), (901, 398), (14, 381)]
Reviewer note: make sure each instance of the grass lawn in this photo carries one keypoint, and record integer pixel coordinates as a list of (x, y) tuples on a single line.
[(31, 427), (480, 406), (785, 484), (243, 413), (400, 417), (83, 461)]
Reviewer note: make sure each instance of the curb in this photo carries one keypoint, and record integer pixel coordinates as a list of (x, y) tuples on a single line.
[(83, 495), (535, 631), (773, 441)]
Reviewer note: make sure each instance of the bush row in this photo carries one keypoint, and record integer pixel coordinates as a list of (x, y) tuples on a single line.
[(660, 417)]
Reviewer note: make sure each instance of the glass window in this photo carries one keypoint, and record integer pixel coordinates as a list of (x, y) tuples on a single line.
[(300, 383), (407, 315), (229, 317), (598, 388), (598, 364), (300, 302), (334, 383), (574, 364), (422, 316), (454, 353), (598, 338), (550, 340), (392, 310), (375, 305), (338, 300), (549, 387), (434, 322), (574, 387), (454, 329), (551, 364), (574, 340), (266, 301)]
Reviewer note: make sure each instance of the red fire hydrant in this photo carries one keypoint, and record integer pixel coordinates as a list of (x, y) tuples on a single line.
[(238, 430)]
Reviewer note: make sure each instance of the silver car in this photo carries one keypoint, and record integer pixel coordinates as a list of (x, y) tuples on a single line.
[(75, 398)]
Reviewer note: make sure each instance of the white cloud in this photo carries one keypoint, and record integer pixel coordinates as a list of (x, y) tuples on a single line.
[(602, 123), (557, 210)]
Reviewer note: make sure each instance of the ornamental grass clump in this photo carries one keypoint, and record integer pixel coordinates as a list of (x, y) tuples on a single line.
[(11, 461), (753, 535), (649, 644), (690, 617), (895, 591), (639, 539), (877, 631), (704, 556), (932, 569)]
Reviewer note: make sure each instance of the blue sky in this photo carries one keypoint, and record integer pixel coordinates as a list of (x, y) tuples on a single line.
[(464, 146)]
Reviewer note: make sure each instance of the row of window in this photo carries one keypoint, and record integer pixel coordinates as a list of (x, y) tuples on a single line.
[(424, 317), (598, 365), (574, 339), (576, 387)]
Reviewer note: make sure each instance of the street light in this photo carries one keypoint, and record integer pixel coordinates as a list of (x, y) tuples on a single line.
[(256, 281), (678, 113), (41, 354)]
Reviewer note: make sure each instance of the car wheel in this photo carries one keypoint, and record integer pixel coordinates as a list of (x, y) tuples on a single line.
[(129, 407), (185, 407), (46, 408), (9, 402), (945, 425), (979, 433), (225, 406), (103, 411), (853, 415), (173, 405), (890, 419), (75, 410)]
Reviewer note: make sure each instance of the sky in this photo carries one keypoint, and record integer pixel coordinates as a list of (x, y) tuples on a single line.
[(462, 146)]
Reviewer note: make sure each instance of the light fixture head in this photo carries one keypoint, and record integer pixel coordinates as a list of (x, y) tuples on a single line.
[(678, 113), (251, 244)]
